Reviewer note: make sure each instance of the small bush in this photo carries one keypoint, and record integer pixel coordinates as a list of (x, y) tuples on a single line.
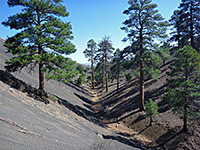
[(128, 77), (80, 68), (151, 110), (39, 92), (89, 79), (137, 73), (80, 80), (53, 98)]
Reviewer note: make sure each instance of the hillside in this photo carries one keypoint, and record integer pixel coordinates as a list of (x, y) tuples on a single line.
[(122, 109), (74, 117), (31, 122)]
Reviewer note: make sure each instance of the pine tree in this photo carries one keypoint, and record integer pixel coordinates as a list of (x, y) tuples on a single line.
[(116, 66), (151, 110), (190, 12), (90, 52), (178, 33), (184, 84), (105, 49), (41, 39), (143, 27)]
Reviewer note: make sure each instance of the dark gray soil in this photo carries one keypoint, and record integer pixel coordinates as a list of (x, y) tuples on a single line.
[(28, 122)]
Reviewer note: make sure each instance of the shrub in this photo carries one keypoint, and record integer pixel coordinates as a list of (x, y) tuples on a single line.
[(128, 77), (53, 98), (151, 110)]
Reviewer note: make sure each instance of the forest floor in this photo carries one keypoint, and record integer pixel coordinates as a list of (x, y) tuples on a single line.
[(119, 111)]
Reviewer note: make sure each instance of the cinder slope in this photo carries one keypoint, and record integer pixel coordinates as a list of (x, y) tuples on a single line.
[(69, 124)]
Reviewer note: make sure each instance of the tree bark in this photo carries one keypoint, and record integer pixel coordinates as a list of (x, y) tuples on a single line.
[(40, 52), (151, 120), (106, 71), (185, 119), (185, 102), (118, 76), (141, 70), (92, 67), (191, 25), (41, 77), (103, 73), (141, 86)]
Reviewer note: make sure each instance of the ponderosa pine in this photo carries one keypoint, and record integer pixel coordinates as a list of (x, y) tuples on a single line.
[(105, 49), (143, 27), (184, 84), (90, 52), (42, 38)]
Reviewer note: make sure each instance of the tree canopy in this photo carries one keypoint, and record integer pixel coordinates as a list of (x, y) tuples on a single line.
[(143, 27), (42, 38)]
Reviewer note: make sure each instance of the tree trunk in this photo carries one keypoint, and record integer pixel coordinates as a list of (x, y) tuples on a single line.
[(141, 71), (185, 119), (151, 120), (92, 72), (106, 71), (141, 86), (191, 25), (118, 76), (103, 73), (178, 33), (41, 77), (40, 52), (185, 102)]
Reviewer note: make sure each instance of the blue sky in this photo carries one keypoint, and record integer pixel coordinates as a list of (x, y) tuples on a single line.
[(92, 19)]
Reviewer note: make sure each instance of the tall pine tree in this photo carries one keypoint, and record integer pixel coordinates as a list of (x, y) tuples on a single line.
[(143, 27), (90, 52), (184, 84), (116, 66), (105, 49), (41, 39), (178, 29), (190, 13)]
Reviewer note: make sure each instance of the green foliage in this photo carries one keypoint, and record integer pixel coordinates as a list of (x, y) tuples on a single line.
[(151, 109), (87, 69), (91, 50), (64, 70), (42, 38), (89, 79), (80, 68), (137, 73), (189, 17), (152, 64), (80, 80), (184, 84), (53, 98), (143, 27), (90, 53), (103, 56), (178, 34), (116, 65), (39, 92), (128, 77)]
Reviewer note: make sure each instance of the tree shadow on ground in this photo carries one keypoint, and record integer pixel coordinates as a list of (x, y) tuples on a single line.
[(121, 108), (163, 105), (138, 119), (84, 113), (113, 97), (126, 141), (113, 108), (84, 99), (171, 139), (15, 83), (80, 89), (20, 85)]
